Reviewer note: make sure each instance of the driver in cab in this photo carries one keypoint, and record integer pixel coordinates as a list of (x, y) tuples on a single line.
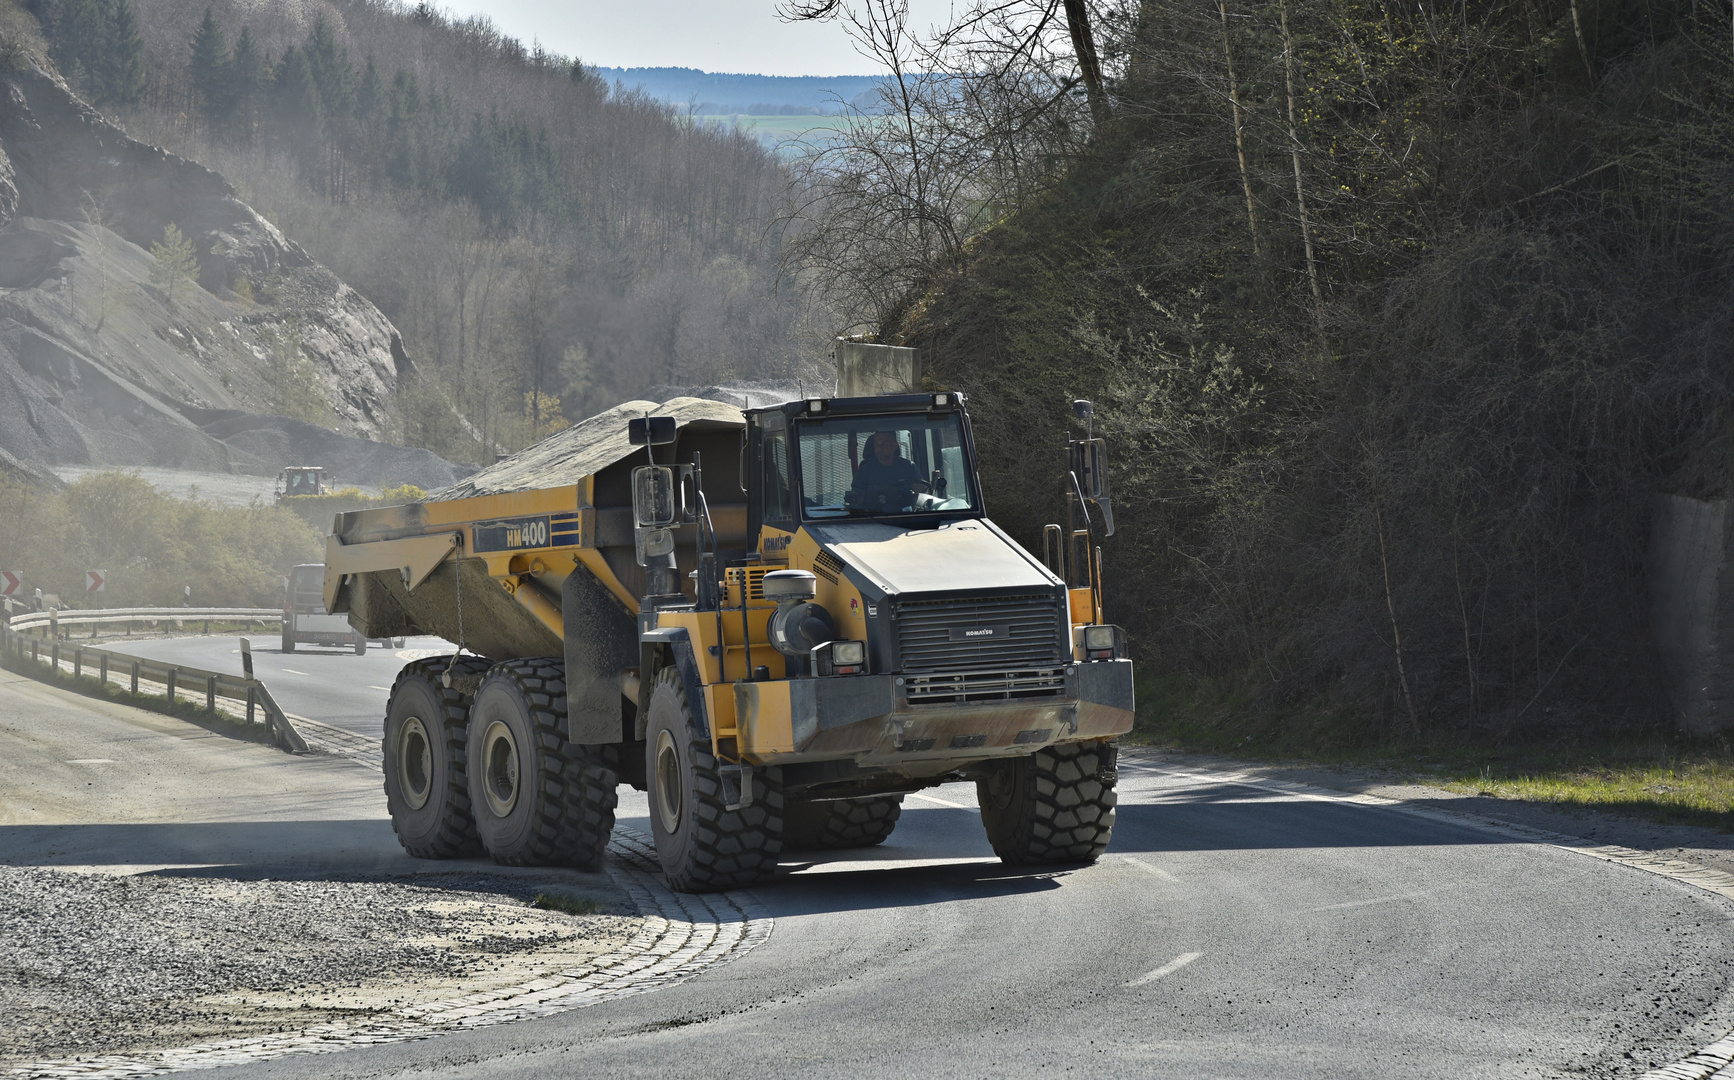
[(885, 479)]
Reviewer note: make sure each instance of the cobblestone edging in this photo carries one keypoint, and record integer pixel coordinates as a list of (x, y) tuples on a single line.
[(1713, 1062)]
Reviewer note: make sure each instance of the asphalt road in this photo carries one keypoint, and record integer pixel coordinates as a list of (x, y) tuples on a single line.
[(1232, 931), (332, 685)]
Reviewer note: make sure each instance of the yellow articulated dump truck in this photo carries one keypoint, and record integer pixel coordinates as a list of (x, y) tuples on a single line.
[(775, 622)]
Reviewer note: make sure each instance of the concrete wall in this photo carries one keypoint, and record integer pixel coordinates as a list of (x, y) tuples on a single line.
[(1692, 609), (865, 370)]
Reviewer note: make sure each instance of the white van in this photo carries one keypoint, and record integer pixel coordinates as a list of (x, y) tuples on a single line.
[(305, 620)]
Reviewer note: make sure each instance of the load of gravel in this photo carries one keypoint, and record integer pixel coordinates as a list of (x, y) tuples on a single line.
[(99, 964)]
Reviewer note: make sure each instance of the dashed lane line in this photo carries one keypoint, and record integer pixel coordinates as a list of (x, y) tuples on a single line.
[(1166, 969), (1713, 1062)]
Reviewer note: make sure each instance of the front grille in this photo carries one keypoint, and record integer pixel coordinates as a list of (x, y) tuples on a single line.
[(984, 686), (1006, 646)]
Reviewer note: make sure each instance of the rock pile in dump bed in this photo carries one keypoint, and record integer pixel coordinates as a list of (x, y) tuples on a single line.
[(585, 448)]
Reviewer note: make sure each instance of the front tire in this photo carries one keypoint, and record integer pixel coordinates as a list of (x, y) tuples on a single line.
[(838, 824), (539, 800), (1054, 806), (427, 788), (703, 846)]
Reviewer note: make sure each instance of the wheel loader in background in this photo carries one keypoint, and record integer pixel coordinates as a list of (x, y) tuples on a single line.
[(776, 623)]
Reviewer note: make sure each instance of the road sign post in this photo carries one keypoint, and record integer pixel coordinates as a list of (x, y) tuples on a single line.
[(95, 581)]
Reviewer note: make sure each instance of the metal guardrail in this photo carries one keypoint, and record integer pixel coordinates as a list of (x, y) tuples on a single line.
[(178, 680), (59, 623)]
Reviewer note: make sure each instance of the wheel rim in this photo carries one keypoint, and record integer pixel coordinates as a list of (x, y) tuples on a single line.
[(500, 775), (668, 778), (414, 763)]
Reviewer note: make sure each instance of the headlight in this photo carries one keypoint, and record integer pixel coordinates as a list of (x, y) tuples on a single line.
[(1103, 642), (1097, 638), (839, 658), (848, 653)]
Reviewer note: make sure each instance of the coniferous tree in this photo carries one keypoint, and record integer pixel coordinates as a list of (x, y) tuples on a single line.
[(208, 76), (120, 69), (296, 115), (249, 75)]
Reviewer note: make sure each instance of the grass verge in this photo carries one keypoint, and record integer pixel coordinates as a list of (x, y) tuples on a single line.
[(1655, 774)]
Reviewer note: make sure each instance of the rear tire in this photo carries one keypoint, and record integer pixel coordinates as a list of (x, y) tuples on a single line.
[(361, 646), (427, 788), (838, 824), (1054, 806), (288, 642), (703, 846), (539, 800)]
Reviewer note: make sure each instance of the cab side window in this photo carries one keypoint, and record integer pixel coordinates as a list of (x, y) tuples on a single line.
[(777, 507)]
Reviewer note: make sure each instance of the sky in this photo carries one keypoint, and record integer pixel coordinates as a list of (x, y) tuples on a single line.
[(736, 36)]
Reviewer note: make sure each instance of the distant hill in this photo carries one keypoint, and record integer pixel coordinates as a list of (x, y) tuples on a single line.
[(715, 93)]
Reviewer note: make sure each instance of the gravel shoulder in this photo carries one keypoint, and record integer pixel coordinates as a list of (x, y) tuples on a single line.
[(161, 885)]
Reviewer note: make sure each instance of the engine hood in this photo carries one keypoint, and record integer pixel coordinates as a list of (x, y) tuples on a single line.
[(967, 555)]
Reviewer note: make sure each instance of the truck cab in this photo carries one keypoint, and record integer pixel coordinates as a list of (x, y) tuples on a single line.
[(880, 633)]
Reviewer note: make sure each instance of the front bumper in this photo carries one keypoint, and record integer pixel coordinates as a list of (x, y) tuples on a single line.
[(868, 718)]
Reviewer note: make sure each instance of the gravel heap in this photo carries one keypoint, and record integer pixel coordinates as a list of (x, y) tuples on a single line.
[(95, 964)]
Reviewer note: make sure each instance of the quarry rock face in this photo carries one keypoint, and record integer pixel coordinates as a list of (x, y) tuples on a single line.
[(102, 365)]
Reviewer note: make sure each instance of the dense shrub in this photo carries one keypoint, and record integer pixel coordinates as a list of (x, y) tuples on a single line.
[(151, 544)]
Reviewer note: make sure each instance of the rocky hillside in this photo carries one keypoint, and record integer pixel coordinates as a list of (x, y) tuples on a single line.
[(148, 316)]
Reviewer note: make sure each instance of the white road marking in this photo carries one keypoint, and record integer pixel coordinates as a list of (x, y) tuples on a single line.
[(943, 802), (1157, 870), (387, 689), (1375, 900), (292, 671), (1166, 969), (90, 761)]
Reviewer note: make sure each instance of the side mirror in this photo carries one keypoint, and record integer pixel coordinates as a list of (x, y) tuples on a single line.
[(653, 496), (650, 430), (1089, 464)]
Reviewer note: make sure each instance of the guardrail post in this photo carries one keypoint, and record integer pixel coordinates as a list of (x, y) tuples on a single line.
[(77, 662), (171, 681), (54, 623), (252, 705), (103, 662), (207, 628), (54, 656), (210, 693), (135, 676)]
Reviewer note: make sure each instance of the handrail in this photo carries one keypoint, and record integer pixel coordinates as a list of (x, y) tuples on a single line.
[(176, 678)]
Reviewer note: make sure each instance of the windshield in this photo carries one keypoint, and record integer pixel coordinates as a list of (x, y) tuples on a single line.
[(855, 465)]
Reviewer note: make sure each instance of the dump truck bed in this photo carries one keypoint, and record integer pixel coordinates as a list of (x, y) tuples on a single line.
[(521, 530)]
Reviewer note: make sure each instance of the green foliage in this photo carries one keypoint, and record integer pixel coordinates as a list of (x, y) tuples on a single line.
[(1418, 508), (176, 267), (319, 510), (151, 544)]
